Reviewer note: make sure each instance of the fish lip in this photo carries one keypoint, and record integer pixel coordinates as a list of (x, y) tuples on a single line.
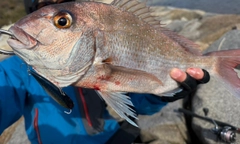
[(21, 39)]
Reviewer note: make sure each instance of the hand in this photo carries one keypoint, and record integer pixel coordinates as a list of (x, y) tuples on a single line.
[(188, 80)]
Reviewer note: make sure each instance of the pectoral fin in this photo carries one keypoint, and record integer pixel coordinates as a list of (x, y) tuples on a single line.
[(121, 79), (113, 80), (120, 104), (172, 92)]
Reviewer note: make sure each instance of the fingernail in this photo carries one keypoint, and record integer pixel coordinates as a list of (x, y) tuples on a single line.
[(194, 72), (175, 73), (191, 71)]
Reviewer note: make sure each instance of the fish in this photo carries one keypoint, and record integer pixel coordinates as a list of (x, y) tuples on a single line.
[(114, 49), (56, 93)]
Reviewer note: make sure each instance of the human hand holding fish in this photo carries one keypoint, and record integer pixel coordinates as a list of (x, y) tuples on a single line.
[(113, 49), (188, 81)]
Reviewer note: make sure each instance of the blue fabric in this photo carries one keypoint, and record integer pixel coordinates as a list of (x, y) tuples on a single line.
[(147, 104), (20, 94)]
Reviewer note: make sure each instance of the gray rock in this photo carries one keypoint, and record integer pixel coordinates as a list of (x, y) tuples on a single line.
[(190, 29), (176, 25), (213, 27), (231, 40), (19, 136), (164, 127)]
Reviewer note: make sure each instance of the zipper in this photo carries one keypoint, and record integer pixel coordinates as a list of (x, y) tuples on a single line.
[(35, 124), (85, 107)]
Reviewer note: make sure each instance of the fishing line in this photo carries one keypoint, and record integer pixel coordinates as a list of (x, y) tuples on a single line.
[(6, 52), (221, 43), (70, 111)]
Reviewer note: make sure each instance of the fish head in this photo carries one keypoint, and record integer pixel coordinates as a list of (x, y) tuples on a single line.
[(57, 41)]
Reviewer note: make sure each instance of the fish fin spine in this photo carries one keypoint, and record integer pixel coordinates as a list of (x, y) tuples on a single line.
[(120, 103)]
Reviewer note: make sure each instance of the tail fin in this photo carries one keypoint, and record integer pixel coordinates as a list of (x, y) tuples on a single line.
[(227, 61)]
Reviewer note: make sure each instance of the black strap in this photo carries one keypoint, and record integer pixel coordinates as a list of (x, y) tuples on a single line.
[(174, 98), (205, 78)]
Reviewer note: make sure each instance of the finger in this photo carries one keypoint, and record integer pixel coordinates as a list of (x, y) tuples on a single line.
[(178, 75), (201, 75), (196, 73), (206, 77)]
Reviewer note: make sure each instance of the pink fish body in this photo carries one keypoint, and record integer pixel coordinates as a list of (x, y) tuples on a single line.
[(113, 49)]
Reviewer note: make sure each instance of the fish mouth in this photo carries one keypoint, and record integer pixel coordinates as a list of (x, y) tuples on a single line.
[(21, 39)]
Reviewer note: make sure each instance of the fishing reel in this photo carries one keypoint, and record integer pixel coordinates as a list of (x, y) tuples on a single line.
[(224, 131), (225, 134)]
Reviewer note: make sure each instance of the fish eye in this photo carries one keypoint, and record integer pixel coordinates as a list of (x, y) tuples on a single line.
[(62, 20)]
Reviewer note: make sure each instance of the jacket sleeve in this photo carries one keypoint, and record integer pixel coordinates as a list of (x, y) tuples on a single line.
[(13, 75), (146, 104)]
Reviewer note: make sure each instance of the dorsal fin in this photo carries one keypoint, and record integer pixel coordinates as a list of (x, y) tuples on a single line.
[(187, 44), (144, 13)]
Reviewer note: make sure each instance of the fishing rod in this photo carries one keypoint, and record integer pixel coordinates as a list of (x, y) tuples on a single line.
[(6, 52), (225, 132)]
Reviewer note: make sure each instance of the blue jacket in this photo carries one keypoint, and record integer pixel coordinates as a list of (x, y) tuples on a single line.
[(45, 120)]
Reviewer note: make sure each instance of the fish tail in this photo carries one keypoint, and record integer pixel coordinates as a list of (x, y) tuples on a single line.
[(227, 61)]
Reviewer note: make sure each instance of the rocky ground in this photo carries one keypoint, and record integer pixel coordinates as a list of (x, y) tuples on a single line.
[(11, 11), (206, 28)]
